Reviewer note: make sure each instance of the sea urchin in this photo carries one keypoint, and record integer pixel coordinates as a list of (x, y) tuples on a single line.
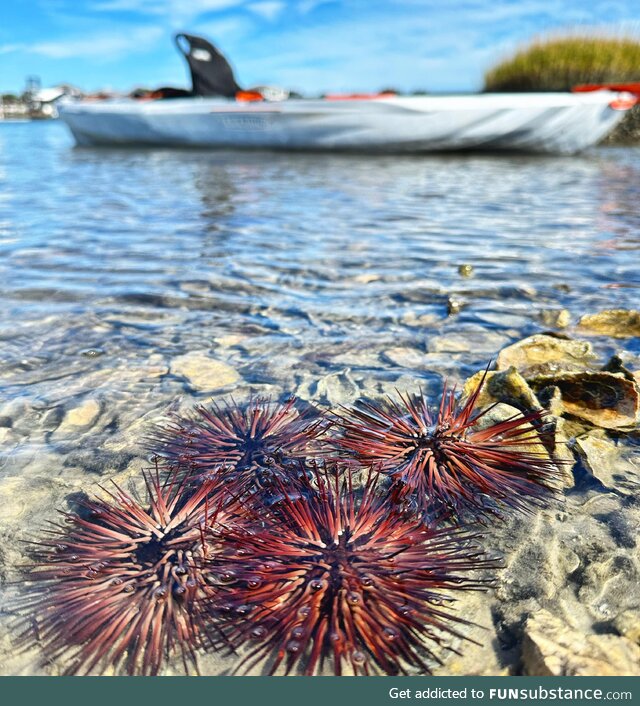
[(443, 463), (244, 442), (122, 583), (341, 577)]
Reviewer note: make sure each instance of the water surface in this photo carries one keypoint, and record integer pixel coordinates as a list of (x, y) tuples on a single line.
[(330, 276)]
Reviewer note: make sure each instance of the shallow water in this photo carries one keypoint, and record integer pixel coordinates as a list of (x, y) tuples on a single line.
[(330, 276)]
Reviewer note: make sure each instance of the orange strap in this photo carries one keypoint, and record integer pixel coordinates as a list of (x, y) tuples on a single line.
[(622, 87), (628, 93), (249, 96)]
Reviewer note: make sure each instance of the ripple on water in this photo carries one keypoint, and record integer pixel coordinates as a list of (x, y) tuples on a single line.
[(332, 276)]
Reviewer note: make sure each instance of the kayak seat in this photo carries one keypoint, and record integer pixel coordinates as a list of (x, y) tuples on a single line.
[(211, 74)]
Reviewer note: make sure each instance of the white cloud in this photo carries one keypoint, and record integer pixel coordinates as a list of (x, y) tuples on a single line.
[(269, 9), (10, 48), (176, 10), (103, 47), (224, 28), (306, 6)]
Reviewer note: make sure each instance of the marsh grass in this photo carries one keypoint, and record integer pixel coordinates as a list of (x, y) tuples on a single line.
[(558, 63)]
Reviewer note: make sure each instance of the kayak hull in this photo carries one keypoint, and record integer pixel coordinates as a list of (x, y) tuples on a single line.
[(548, 123)]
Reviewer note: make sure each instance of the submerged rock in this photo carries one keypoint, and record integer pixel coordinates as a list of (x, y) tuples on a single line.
[(502, 412), (82, 416), (453, 306), (203, 372), (480, 341), (555, 318), (420, 320), (404, 357), (604, 399), (506, 386), (605, 462), (542, 441), (552, 648), (543, 353), (618, 323), (335, 388), (628, 625)]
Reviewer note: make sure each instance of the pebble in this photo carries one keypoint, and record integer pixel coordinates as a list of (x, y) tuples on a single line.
[(229, 340), (82, 416), (478, 341), (404, 357), (203, 372), (555, 318)]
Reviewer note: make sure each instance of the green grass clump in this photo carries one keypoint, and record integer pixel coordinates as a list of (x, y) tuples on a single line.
[(559, 63)]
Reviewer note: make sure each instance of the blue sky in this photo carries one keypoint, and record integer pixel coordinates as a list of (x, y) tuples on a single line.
[(309, 45)]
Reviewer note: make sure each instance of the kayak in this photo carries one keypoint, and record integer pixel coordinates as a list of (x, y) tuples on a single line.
[(559, 123)]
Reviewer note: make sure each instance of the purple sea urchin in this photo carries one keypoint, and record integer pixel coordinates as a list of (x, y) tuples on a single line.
[(246, 442), (337, 575), (442, 462), (123, 583)]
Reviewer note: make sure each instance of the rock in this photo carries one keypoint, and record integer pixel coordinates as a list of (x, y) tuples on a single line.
[(606, 400), (500, 413), (82, 416), (551, 398), (420, 321), (155, 366), (357, 359), (605, 462), (506, 386), (453, 306), (551, 648), (91, 352), (404, 357), (542, 353), (562, 453), (618, 323), (479, 341), (555, 318), (203, 372), (229, 340), (335, 389), (366, 278), (455, 343), (627, 624), (615, 364), (543, 442), (502, 320)]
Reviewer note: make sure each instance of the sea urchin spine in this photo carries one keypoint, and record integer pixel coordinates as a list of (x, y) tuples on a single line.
[(122, 583), (342, 577), (443, 463), (242, 442)]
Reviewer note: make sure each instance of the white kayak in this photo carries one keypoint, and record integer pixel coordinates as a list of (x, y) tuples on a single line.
[(530, 122)]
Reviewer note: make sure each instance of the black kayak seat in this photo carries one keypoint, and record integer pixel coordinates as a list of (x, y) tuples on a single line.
[(211, 74)]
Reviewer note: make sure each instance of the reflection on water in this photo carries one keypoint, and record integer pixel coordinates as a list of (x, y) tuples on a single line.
[(329, 276)]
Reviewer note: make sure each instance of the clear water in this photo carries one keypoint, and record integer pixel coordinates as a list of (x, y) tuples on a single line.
[(327, 276)]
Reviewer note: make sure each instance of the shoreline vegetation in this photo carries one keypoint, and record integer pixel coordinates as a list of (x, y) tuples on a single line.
[(558, 63)]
